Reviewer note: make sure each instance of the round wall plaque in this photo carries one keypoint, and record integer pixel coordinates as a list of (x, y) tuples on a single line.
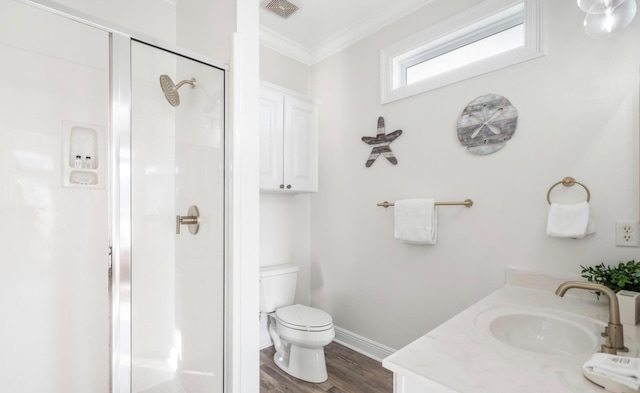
[(486, 124)]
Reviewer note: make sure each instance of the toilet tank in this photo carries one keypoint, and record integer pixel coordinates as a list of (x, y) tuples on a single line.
[(277, 286)]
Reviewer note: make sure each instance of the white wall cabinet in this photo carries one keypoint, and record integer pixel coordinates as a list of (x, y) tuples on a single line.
[(288, 142)]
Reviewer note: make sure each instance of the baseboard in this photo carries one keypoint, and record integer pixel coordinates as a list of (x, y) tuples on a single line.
[(362, 345), (344, 337)]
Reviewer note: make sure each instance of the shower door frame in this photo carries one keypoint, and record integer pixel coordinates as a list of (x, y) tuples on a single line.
[(119, 192)]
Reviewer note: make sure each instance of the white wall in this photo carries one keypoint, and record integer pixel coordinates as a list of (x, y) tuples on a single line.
[(285, 236), (205, 27), (578, 116), (243, 210), (284, 71)]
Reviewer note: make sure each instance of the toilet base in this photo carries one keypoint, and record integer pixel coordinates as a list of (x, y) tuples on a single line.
[(307, 364)]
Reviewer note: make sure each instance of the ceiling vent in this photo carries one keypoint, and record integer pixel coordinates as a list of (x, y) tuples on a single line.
[(283, 8)]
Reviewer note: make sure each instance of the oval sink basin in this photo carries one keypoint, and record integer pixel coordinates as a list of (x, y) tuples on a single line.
[(541, 331), (542, 334)]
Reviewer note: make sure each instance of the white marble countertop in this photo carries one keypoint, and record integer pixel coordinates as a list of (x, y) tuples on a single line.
[(462, 356)]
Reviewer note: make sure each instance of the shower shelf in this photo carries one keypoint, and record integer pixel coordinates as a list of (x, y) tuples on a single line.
[(84, 177), (83, 147)]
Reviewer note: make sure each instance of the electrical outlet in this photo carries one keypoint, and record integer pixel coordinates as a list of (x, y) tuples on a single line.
[(627, 234)]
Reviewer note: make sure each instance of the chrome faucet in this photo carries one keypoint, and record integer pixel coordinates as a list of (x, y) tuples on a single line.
[(613, 331)]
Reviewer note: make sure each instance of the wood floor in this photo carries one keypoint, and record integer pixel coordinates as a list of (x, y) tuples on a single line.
[(349, 372)]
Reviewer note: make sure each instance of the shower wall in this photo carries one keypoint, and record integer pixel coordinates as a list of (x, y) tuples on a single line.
[(199, 180), (54, 238), (177, 279), (153, 246)]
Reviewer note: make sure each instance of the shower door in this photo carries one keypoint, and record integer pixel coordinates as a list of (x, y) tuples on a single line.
[(177, 223)]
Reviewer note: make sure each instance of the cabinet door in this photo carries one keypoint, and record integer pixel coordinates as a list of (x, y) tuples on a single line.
[(271, 135), (300, 145), (405, 384)]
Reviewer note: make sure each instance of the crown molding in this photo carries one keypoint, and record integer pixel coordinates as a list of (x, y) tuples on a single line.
[(363, 27), (284, 45)]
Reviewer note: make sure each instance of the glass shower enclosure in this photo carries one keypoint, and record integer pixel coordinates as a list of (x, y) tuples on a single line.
[(112, 199), (177, 217)]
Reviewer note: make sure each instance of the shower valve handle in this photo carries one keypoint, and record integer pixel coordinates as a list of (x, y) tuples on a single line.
[(192, 220)]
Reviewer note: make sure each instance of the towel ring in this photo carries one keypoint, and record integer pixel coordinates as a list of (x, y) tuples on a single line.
[(568, 182)]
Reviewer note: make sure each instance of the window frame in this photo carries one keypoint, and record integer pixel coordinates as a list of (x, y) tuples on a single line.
[(457, 31)]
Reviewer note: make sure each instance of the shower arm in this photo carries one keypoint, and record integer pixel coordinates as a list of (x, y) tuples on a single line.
[(192, 82)]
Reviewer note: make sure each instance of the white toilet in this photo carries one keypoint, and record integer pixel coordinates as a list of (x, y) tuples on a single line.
[(299, 333)]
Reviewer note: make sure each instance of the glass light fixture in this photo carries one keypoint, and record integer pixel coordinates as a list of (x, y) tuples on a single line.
[(598, 6), (607, 17)]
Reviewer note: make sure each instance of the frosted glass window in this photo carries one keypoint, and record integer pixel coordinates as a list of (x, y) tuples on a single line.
[(484, 48), (489, 36)]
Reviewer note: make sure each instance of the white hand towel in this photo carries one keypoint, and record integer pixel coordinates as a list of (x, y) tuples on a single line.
[(416, 221), (572, 220), (621, 369)]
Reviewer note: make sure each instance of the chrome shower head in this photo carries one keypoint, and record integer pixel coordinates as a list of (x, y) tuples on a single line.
[(170, 89)]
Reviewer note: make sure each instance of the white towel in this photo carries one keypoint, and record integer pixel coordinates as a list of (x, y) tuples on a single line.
[(416, 221), (624, 370), (572, 220)]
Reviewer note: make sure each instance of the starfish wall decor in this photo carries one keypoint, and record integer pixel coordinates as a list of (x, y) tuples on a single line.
[(381, 144)]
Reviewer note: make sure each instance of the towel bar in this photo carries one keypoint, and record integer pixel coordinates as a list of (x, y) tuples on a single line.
[(467, 203), (568, 182)]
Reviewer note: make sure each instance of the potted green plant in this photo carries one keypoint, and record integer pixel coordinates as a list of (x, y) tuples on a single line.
[(624, 275)]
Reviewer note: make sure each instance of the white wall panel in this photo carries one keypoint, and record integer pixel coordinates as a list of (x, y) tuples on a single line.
[(54, 240)]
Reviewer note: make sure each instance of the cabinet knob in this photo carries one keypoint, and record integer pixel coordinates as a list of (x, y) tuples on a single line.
[(288, 186), (282, 186)]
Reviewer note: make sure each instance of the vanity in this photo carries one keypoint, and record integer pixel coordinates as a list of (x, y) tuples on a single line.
[(521, 338)]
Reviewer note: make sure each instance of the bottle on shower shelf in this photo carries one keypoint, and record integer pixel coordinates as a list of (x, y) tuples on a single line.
[(87, 163), (77, 163)]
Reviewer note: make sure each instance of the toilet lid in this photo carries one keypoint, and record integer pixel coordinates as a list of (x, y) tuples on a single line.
[(303, 317)]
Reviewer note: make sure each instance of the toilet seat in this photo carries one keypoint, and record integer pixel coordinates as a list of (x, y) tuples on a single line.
[(304, 318)]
